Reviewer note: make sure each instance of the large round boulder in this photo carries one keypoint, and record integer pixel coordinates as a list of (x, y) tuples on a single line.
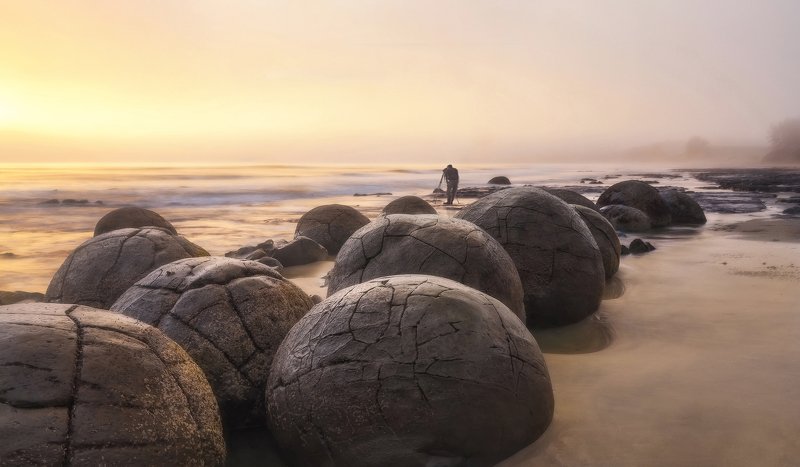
[(131, 217), (555, 253), (605, 236), (499, 180), (104, 267), (330, 225), (639, 195), (230, 315), (82, 386), (683, 208), (408, 370), (429, 244), (626, 218), (571, 197), (409, 205)]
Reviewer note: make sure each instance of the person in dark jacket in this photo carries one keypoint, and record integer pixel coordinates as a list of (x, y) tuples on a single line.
[(450, 174)]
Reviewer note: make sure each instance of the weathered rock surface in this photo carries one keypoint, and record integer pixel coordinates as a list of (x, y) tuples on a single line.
[(683, 208), (131, 218), (626, 218), (18, 296), (499, 180), (556, 255), (409, 205), (301, 250), (408, 370), (639, 246), (104, 267), (230, 315), (82, 386), (571, 197), (605, 236), (429, 244), (330, 225), (639, 195)]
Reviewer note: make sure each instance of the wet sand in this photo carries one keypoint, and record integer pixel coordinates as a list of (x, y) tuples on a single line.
[(702, 366)]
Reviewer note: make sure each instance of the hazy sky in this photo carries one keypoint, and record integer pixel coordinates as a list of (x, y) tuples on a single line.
[(302, 81)]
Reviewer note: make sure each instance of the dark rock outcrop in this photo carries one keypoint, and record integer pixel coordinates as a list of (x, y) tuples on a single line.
[(683, 208), (556, 255), (409, 205), (626, 218), (793, 211), (429, 244), (605, 236), (571, 197), (440, 374), (82, 386), (131, 218), (301, 250), (639, 195), (499, 180), (639, 246), (104, 267), (230, 315), (330, 225), (18, 296)]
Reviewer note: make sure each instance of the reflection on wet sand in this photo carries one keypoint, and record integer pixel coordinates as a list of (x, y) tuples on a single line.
[(592, 334)]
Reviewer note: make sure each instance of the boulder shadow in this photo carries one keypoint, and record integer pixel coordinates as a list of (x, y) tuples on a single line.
[(253, 446), (592, 334)]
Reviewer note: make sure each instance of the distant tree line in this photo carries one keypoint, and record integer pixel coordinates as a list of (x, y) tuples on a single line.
[(785, 142)]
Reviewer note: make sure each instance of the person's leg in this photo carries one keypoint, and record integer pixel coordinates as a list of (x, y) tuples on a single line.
[(451, 193)]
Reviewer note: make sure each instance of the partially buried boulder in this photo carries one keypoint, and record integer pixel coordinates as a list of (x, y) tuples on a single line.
[(82, 386), (440, 374), (626, 218), (330, 225), (409, 205), (429, 244), (605, 236), (103, 267), (500, 180), (555, 253), (683, 208), (229, 315), (131, 217), (639, 195), (571, 197), (639, 246), (301, 250)]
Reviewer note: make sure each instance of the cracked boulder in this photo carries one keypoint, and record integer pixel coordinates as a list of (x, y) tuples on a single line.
[(571, 197), (409, 205), (556, 255), (626, 218), (683, 208), (330, 225), (131, 217), (639, 195), (230, 315), (605, 236), (81, 386), (408, 370), (429, 244), (104, 267)]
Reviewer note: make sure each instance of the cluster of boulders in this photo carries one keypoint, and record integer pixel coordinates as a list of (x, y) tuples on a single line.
[(420, 355), (635, 206)]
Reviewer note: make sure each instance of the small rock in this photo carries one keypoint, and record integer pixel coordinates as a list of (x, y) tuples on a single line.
[(793, 211), (639, 246), (301, 250), (271, 262), (500, 180), (624, 250)]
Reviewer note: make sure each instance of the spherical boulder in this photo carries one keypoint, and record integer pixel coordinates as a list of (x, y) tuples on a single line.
[(131, 217), (429, 244), (230, 315), (555, 253), (104, 267), (499, 180), (409, 205), (639, 195), (440, 374), (330, 225), (82, 386), (683, 208), (605, 236), (571, 197), (626, 218)]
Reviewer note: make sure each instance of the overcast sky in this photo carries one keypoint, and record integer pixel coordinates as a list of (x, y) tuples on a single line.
[(303, 81)]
